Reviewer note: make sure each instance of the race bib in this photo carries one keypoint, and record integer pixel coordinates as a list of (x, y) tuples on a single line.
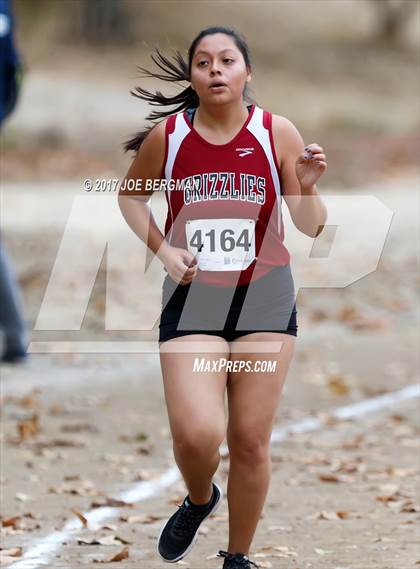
[(221, 244)]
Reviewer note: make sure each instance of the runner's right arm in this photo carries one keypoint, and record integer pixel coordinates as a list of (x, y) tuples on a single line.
[(147, 165)]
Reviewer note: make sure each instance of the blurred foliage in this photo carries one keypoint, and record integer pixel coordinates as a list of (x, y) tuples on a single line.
[(344, 71), (391, 18), (98, 21), (126, 22), (93, 22)]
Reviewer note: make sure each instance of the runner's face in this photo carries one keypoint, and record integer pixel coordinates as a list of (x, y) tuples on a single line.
[(217, 59)]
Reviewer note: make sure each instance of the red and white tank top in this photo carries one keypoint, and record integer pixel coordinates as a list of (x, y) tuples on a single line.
[(225, 201)]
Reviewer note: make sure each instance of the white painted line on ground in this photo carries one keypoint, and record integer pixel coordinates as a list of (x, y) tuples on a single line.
[(348, 411), (40, 553)]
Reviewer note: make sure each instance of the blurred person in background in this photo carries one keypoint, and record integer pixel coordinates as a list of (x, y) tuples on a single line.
[(14, 335)]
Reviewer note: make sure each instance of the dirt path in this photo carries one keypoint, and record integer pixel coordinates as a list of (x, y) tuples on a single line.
[(80, 428), (341, 497)]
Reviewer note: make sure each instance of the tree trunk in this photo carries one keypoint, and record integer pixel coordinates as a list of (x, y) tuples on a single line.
[(102, 22), (392, 16)]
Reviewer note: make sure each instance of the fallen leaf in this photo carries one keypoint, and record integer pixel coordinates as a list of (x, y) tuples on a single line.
[(123, 554), (81, 518), (22, 497), (280, 528), (111, 503), (348, 314), (40, 446), (13, 552), (327, 419), (354, 443), (84, 488), (318, 315), (79, 428), (336, 383), (141, 518), (321, 551), (401, 472), (265, 564), (286, 551), (28, 428), (109, 527), (410, 508), (107, 540), (328, 478), (11, 522), (327, 516)]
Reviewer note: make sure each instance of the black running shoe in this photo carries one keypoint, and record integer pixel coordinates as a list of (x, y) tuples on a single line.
[(180, 532), (236, 561), (14, 356)]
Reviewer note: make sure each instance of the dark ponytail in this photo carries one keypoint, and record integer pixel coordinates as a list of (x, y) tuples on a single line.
[(176, 71)]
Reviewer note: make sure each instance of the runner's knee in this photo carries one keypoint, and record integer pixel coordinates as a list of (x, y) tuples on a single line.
[(198, 438), (248, 447)]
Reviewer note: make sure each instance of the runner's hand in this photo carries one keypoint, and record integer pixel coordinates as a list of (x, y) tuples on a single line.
[(181, 265), (310, 165)]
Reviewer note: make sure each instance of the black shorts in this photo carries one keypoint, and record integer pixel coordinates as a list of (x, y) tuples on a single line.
[(265, 305)]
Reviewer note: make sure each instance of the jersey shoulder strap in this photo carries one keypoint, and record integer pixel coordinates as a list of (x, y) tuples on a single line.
[(176, 129)]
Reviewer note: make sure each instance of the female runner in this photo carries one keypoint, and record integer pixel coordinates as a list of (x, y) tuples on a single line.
[(229, 289)]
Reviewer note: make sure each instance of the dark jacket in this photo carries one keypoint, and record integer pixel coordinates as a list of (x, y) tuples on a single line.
[(10, 64)]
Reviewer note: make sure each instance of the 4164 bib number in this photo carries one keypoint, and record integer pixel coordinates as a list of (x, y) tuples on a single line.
[(222, 244)]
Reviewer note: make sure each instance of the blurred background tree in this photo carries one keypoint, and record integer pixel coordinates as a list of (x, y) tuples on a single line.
[(392, 17), (344, 71), (78, 22), (99, 21)]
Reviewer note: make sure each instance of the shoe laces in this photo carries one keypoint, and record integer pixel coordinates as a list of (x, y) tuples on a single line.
[(186, 520), (240, 559)]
